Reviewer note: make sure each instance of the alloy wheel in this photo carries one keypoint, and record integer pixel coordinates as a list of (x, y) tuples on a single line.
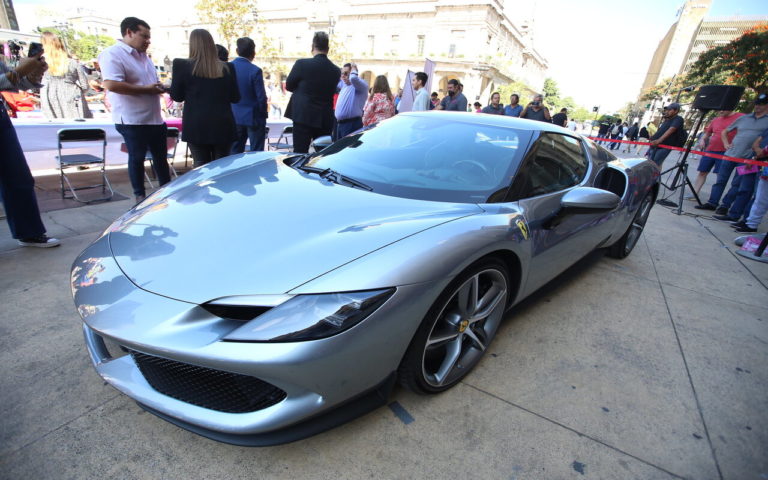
[(464, 328)]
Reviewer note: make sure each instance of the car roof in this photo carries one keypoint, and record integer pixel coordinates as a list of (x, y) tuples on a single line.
[(492, 120)]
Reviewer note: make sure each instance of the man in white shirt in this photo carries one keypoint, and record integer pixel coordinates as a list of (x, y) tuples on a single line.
[(421, 99), (134, 90)]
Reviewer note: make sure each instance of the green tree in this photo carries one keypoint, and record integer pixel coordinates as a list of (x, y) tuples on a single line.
[(88, 47), (580, 114), (269, 55), (233, 18), (520, 88), (552, 94), (338, 52), (743, 61), (84, 47)]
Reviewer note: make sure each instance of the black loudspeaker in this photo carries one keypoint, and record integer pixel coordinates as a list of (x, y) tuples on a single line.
[(717, 97)]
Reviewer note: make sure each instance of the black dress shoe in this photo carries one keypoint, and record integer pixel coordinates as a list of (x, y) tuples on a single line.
[(725, 218), (739, 224), (721, 210), (705, 206), (746, 229)]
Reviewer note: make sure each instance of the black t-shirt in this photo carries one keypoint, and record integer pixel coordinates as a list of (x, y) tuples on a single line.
[(559, 119), (674, 139)]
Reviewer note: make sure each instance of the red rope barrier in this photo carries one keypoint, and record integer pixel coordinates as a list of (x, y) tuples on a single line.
[(680, 149)]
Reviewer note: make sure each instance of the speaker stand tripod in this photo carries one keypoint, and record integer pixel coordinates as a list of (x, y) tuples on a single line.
[(680, 180)]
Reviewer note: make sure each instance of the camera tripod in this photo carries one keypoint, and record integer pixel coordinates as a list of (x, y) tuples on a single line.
[(680, 180)]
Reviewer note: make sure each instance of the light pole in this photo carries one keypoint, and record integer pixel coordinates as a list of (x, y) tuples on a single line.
[(595, 109)]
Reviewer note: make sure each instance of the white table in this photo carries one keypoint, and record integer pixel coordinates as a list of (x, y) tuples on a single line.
[(38, 138)]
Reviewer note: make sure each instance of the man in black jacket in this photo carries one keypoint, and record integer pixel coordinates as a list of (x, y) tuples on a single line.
[(313, 82)]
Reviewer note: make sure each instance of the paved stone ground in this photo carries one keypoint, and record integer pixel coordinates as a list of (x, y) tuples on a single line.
[(652, 367)]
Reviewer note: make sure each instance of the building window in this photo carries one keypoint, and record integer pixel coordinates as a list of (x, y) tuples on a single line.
[(420, 48), (371, 44), (457, 39), (394, 46), (280, 45)]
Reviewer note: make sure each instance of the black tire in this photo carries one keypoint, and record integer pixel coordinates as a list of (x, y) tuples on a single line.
[(454, 335), (627, 242)]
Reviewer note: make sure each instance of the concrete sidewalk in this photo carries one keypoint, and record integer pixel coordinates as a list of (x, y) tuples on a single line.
[(652, 367)]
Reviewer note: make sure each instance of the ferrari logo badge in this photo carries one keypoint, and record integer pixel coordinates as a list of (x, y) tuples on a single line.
[(463, 325), (523, 228)]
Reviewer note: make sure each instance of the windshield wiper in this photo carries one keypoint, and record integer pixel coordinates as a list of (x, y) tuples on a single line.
[(335, 177), (294, 161)]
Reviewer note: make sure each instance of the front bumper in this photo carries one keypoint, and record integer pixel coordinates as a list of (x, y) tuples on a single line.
[(316, 376)]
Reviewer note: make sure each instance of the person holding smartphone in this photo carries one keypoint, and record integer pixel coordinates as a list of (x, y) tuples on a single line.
[(17, 186)]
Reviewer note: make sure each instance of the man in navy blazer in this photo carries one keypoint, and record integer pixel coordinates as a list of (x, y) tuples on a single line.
[(251, 111)]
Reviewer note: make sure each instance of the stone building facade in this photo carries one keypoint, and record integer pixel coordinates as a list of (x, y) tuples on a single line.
[(474, 41)]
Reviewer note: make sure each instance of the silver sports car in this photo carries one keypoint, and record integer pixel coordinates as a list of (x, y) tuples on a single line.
[(266, 297)]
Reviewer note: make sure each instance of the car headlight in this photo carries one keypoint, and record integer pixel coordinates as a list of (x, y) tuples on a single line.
[(310, 317)]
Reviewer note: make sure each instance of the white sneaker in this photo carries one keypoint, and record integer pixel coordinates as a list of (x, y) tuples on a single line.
[(43, 241)]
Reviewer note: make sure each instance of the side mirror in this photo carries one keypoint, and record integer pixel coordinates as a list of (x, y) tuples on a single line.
[(321, 142), (589, 198)]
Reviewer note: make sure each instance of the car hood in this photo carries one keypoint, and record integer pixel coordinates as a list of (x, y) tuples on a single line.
[(251, 225)]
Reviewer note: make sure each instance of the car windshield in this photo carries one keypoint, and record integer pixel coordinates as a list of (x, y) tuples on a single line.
[(429, 158)]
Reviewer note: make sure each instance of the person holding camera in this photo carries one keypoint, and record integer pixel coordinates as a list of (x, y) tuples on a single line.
[(17, 186), (536, 110)]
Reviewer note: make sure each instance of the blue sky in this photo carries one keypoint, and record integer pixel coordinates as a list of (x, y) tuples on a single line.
[(599, 55)]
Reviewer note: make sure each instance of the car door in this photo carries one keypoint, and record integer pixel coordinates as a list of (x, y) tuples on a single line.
[(555, 164)]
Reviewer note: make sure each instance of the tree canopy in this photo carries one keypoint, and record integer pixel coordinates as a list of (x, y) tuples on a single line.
[(743, 61), (551, 93), (83, 47), (234, 18)]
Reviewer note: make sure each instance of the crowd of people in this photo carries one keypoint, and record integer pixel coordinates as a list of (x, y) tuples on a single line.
[(225, 104)]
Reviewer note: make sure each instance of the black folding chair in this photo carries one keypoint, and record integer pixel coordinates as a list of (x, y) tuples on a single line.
[(285, 140), (82, 161), (171, 142)]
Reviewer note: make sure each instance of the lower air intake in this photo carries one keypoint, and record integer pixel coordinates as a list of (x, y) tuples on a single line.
[(206, 387)]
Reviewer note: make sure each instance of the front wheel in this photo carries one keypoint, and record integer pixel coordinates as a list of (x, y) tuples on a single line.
[(457, 329), (627, 242)]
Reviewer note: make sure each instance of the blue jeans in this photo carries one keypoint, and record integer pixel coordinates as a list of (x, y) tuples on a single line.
[(17, 185), (253, 133), (739, 194), (345, 128), (657, 155), (726, 168), (615, 145), (140, 139)]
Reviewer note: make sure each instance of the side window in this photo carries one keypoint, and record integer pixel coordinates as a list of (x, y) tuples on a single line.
[(600, 154), (557, 162)]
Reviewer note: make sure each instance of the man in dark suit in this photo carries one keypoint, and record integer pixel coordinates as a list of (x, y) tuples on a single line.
[(251, 111), (313, 82)]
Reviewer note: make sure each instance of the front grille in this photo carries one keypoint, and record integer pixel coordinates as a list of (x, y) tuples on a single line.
[(206, 387)]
